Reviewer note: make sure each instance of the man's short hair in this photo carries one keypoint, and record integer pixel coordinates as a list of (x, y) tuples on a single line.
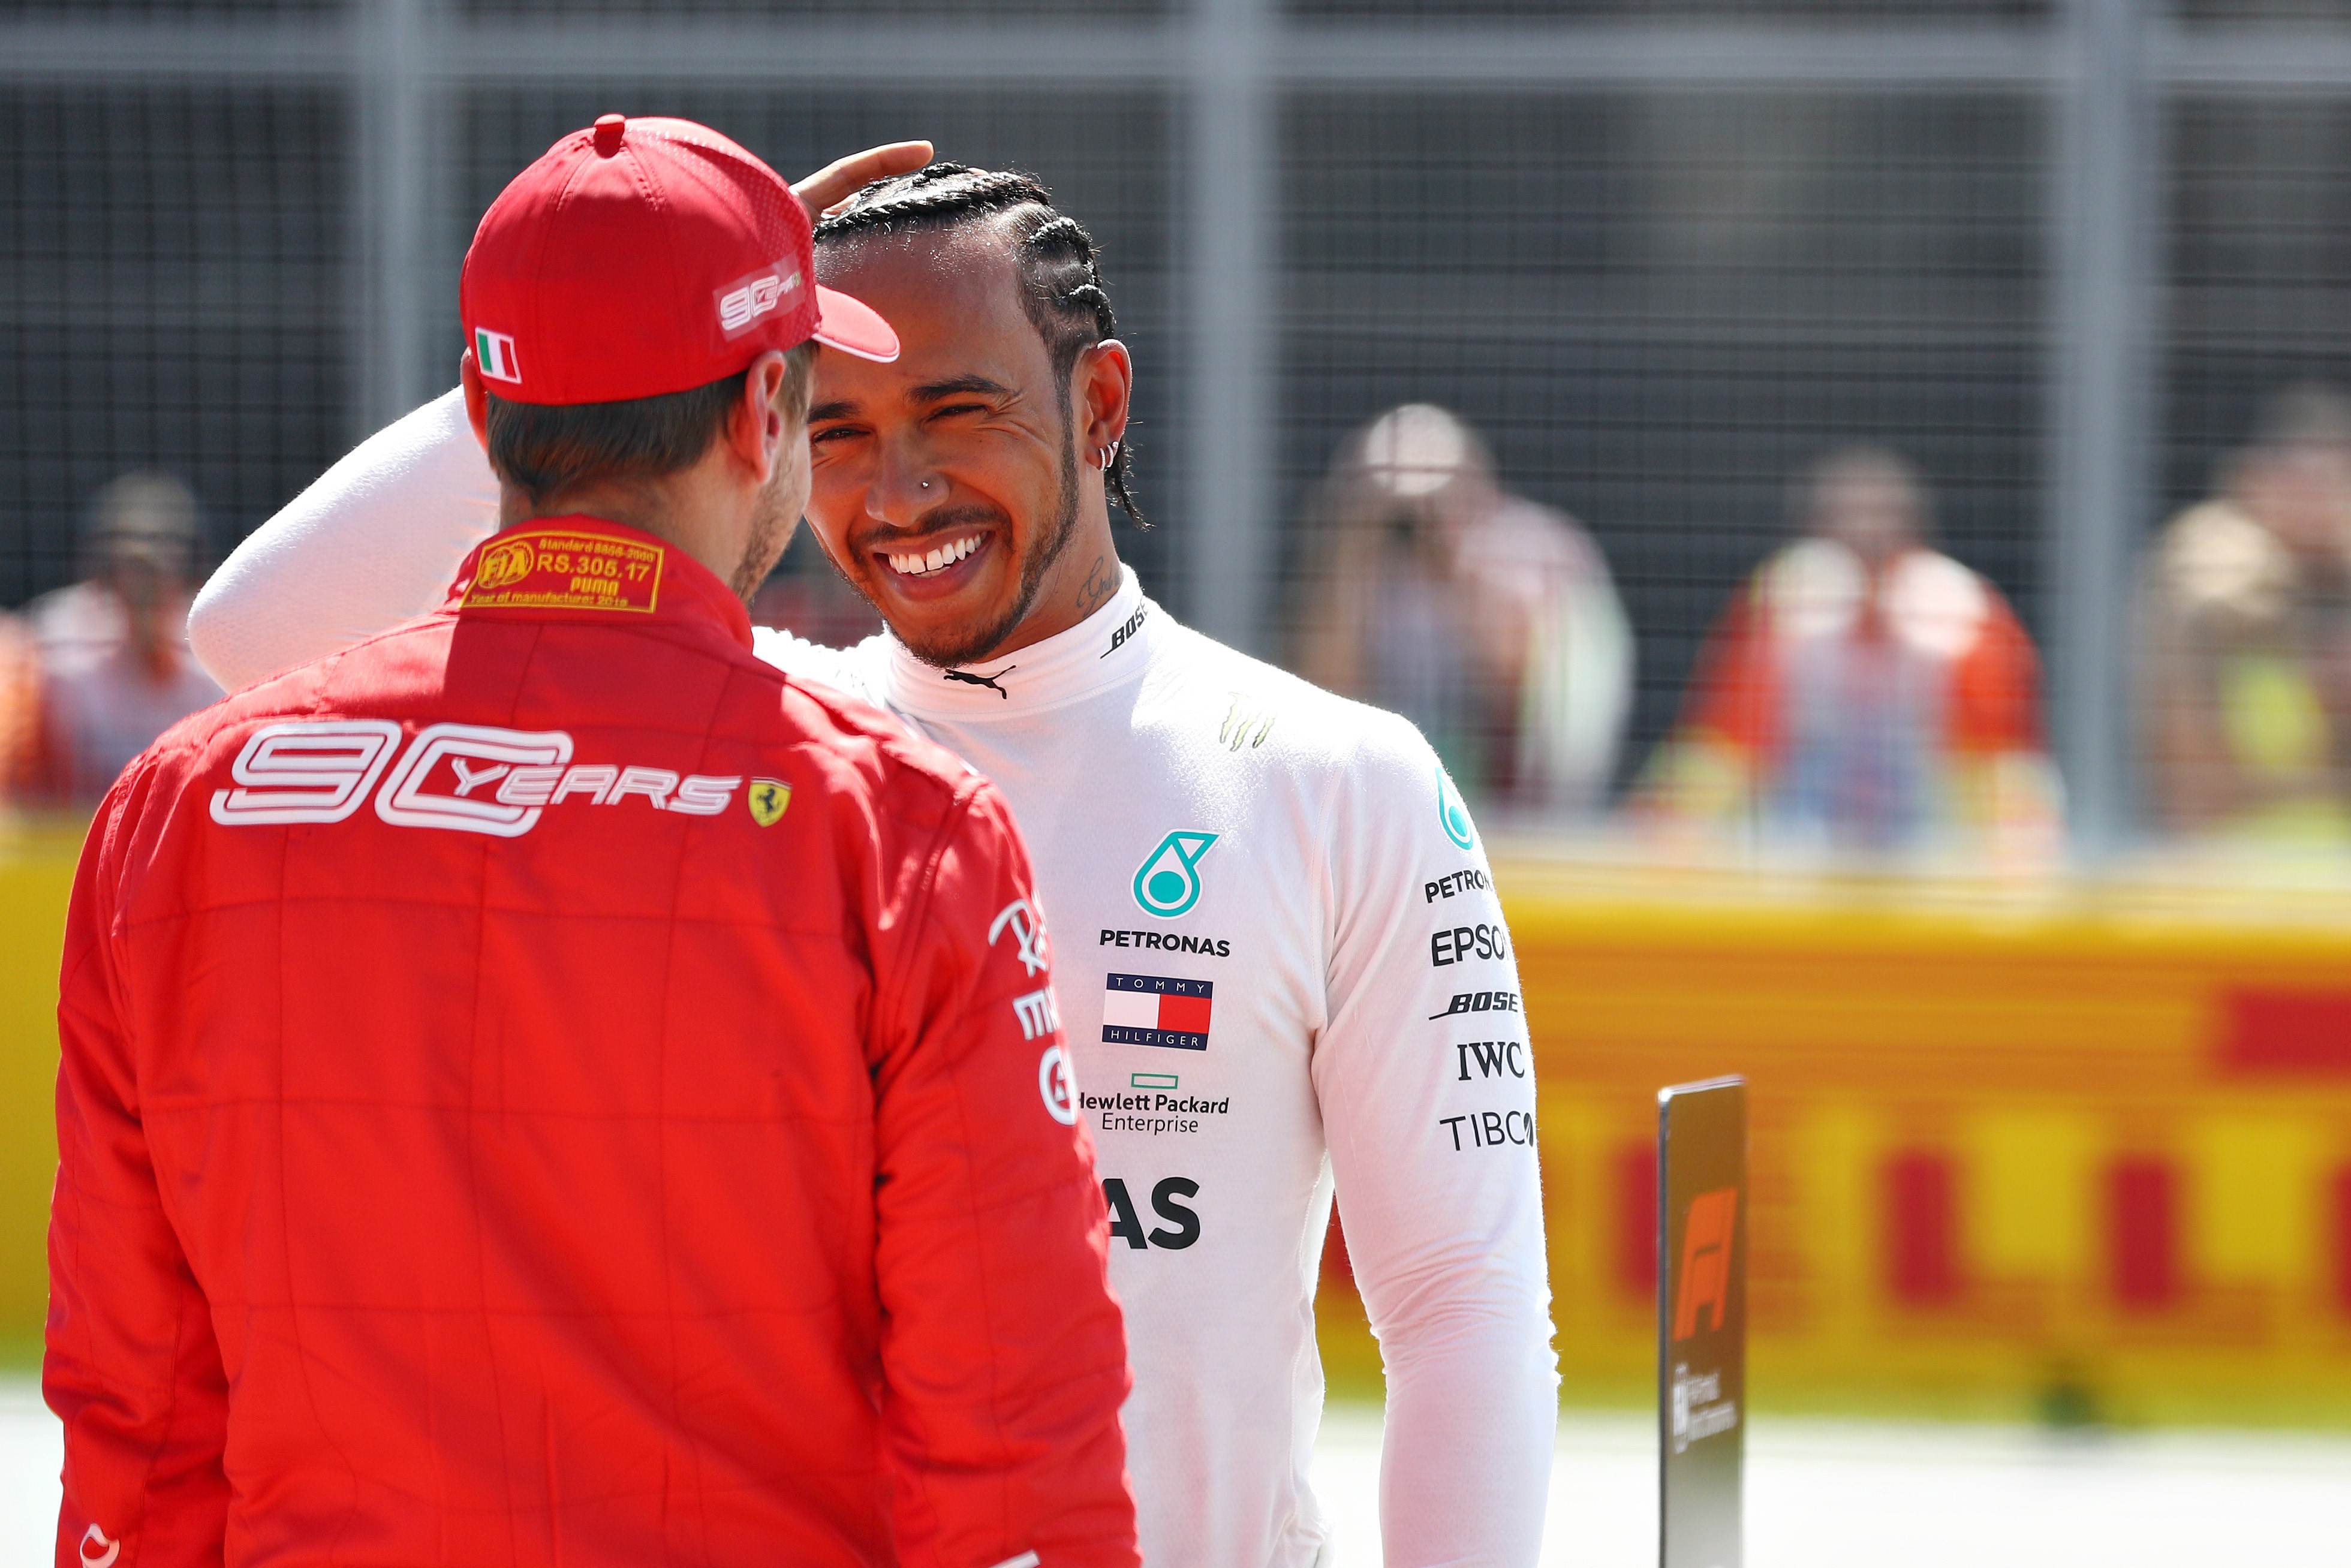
[(546, 449)]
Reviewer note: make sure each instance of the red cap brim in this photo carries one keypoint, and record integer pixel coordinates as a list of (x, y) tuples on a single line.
[(853, 327)]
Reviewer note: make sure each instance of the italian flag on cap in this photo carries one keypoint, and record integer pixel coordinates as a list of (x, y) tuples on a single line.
[(493, 352)]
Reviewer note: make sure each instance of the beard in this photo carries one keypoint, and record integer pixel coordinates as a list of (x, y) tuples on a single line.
[(963, 645), (771, 530)]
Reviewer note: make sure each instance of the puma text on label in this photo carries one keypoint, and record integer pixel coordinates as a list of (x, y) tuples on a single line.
[(567, 570)]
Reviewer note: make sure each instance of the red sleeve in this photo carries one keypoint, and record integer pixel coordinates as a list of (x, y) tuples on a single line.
[(132, 1368), (1996, 688), (1731, 697), (1003, 1351)]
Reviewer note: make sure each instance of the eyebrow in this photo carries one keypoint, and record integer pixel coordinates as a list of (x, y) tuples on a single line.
[(931, 392)]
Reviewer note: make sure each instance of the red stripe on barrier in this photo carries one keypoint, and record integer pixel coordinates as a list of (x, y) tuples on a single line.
[(1338, 1268), (2143, 1220), (2339, 1189), (1921, 1229), (2296, 1034), (1636, 1220)]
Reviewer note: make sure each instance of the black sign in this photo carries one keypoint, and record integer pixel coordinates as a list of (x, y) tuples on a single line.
[(1701, 1322)]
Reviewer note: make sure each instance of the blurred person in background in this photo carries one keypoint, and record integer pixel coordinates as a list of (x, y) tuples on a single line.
[(102, 667), (20, 710), (1488, 620), (1863, 691), (2245, 637)]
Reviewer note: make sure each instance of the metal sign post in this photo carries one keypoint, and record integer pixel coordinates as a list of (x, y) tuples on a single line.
[(1701, 1322)]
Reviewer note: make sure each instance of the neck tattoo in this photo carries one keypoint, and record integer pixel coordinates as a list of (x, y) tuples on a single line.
[(1101, 581)]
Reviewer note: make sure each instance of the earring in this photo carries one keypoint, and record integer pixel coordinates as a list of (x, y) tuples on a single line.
[(1109, 455)]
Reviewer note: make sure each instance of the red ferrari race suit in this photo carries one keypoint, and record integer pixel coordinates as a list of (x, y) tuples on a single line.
[(541, 1086)]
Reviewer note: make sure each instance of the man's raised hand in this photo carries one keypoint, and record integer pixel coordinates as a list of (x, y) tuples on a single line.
[(831, 186)]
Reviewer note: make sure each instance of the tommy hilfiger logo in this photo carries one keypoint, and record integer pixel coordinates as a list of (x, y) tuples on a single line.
[(1157, 1009)]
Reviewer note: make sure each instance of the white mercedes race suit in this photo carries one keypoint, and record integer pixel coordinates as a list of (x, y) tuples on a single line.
[(1280, 961)]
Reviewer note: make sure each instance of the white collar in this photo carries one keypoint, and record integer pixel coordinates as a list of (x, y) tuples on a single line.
[(1098, 653)]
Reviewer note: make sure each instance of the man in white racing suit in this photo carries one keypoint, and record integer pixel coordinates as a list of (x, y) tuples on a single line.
[(1279, 956)]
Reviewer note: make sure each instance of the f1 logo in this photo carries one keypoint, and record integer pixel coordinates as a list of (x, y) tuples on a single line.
[(1704, 1272)]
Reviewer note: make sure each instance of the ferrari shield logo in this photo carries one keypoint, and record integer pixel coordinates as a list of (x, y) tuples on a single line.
[(767, 798)]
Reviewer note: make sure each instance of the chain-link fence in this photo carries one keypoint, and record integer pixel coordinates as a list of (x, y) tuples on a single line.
[(2052, 264)]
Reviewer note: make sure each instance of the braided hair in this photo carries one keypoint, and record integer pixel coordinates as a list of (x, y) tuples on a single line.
[(1062, 289)]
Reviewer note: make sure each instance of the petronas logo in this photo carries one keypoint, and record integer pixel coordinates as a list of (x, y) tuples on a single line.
[(1169, 882), (1452, 815)]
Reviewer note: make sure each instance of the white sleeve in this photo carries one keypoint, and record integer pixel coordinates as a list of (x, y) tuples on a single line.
[(860, 670), (373, 542), (1427, 1092)]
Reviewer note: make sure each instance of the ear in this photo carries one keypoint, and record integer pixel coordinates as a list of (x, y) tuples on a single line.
[(758, 427), (1102, 389), (477, 397)]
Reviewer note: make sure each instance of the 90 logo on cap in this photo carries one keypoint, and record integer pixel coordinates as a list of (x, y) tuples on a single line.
[(742, 302)]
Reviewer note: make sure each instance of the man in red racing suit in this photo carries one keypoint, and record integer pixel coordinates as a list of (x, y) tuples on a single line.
[(543, 1087)]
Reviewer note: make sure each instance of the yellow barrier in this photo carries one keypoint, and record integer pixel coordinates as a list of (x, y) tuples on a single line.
[(2012, 1149), (36, 878), (2089, 1152)]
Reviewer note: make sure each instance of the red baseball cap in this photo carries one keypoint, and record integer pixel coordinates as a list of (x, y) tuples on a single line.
[(645, 257)]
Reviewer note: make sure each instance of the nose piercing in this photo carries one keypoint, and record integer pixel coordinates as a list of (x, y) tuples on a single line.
[(927, 483)]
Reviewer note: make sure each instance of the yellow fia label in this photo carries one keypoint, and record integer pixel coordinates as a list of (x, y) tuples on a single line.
[(768, 799), (556, 568)]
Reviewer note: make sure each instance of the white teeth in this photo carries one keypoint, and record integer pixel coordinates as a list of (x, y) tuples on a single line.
[(923, 565)]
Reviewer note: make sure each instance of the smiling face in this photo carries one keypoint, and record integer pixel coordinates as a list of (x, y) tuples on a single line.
[(946, 485)]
